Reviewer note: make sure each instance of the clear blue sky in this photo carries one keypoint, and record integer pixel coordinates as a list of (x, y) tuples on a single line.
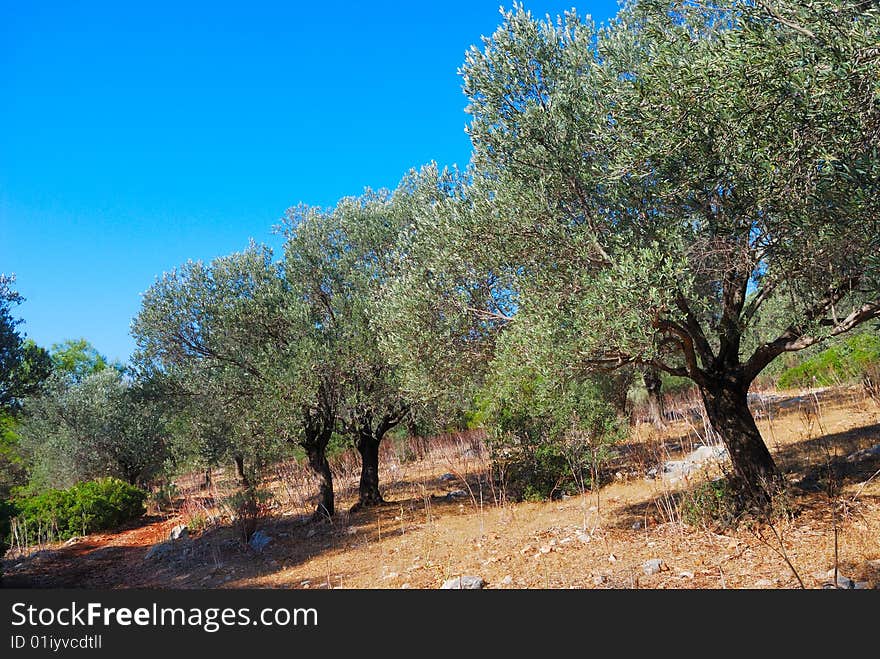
[(135, 136)]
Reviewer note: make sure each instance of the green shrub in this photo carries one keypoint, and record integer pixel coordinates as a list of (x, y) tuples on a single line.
[(846, 361), (163, 496), (84, 508), (546, 441), (247, 509), (712, 504)]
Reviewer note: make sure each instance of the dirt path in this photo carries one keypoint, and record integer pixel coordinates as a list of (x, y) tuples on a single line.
[(101, 560)]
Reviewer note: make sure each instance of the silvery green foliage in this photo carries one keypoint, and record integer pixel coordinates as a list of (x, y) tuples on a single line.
[(441, 312), (339, 260), (98, 426), (660, 179), (222, 338)]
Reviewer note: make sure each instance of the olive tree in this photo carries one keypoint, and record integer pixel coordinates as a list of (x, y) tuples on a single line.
[(340, 259), (653, 184), (233, 331), (449, 300), (99, 426)]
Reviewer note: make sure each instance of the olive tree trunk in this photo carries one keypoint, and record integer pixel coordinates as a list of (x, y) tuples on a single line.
[(317, 456), (239, 469), (726, 402), (368, 489), (654, 386), (368, 437)]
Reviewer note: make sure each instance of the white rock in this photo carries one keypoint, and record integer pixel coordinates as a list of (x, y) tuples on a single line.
[(179, 532), (652, 566), (466, 582), (159, 551)]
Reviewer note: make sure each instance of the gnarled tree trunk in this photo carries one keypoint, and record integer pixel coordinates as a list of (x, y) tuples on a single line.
[(239, 469), (654, 386), (368, 489), (726, 401), (368, 436), (318, 462), (317, 430)]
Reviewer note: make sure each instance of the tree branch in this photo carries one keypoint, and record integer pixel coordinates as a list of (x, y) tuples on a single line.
[(686, 344), (788, 23), (793, 338), (694, 328), (752, 306), (733, 298)]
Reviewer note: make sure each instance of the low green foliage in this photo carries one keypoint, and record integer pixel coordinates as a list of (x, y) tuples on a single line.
[(844, 362), (546, 436), (712, 504), (84, 508), (163, 496), (247, 508)]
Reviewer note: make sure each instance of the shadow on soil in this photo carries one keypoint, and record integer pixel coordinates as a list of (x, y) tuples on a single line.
[(218, 557)]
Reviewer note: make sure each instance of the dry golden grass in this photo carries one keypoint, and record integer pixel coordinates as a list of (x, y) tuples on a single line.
[(599, 539)]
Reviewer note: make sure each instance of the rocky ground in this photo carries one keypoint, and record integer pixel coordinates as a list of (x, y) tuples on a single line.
[(445, 522)]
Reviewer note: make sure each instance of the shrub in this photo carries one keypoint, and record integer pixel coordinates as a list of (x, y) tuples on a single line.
[(247, 508), (84, 508), (163, 496), (546, 441), (846, 361), (712, 504)]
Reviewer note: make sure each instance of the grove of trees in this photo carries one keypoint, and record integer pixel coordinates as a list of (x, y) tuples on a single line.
[(691, 190)]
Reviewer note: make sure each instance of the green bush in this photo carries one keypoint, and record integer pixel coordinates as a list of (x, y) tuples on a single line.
[(163, 496), (846, 361), (548, 441), (247, 509), (84, 508), (712, 504), (540, 471)]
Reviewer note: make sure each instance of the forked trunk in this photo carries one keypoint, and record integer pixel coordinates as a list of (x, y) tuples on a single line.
[(239, 469), (654, 386), (368, 490), (318, 462), (728, 411)]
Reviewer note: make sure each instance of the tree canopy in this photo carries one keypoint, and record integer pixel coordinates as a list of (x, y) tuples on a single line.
[(651, 187), (690, 189), (24, 366)]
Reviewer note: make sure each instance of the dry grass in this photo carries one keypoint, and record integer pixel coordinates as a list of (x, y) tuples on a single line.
[(598, 540)]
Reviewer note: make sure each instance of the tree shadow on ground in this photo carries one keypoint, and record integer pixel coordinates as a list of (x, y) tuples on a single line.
[(219, 557)]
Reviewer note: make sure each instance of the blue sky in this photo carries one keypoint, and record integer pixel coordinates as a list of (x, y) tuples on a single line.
[(135, 136)]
